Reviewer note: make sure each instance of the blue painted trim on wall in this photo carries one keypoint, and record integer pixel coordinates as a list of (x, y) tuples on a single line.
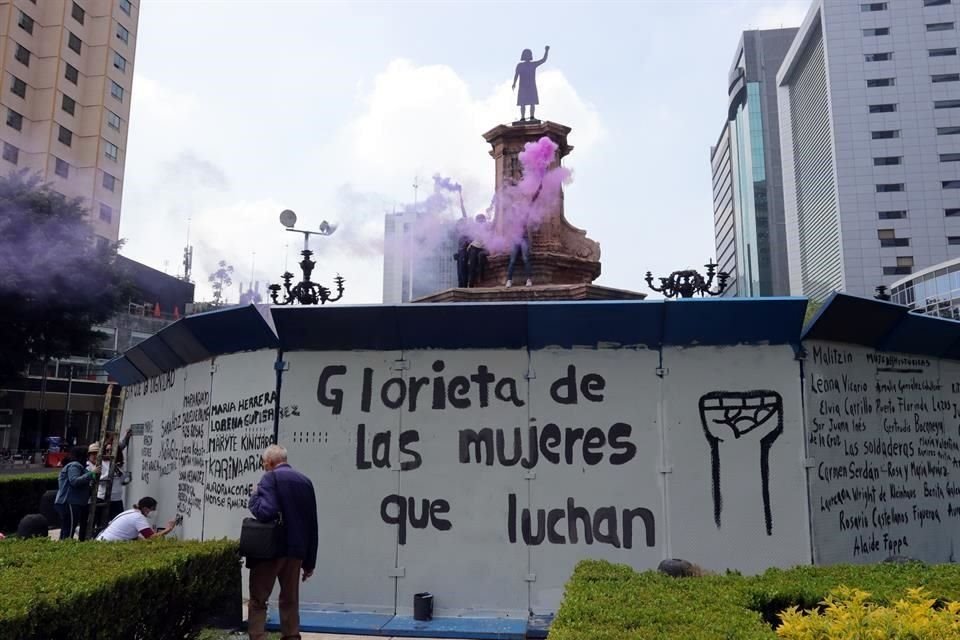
[(884, 326), (521, 325), (387, 625)]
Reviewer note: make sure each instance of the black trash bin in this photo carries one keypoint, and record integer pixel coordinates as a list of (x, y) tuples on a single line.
[(423, 606)]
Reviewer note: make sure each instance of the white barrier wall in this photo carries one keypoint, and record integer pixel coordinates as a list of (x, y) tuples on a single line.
[(484, 476), (204, 427), (884, 454)]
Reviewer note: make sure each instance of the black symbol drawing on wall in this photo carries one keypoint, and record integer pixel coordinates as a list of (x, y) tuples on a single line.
[(732, 415)]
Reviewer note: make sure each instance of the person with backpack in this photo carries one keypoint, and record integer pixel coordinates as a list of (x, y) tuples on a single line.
[(73, 494)]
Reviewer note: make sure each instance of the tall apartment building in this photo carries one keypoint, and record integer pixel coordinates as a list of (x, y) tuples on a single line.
[(747, 179), (870, 134), (65, 97), (414, 267)]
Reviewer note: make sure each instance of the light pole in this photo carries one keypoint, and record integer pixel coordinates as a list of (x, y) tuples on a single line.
[(305, 291)]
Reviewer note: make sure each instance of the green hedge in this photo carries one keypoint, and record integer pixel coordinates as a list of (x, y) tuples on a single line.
[(605, 601), (20, 495), (73, 590)]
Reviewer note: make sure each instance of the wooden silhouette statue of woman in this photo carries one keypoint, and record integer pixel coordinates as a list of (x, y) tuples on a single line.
[(527, 75)]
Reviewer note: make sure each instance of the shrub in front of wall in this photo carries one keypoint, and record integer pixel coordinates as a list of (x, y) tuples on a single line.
[(603, 601), (114, 591), (847, 614), (20, 495)]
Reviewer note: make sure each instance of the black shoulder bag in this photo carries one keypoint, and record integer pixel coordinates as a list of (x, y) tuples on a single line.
[(264, 540)]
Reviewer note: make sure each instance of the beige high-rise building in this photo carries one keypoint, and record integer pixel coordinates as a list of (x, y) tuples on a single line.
[(65, 97)]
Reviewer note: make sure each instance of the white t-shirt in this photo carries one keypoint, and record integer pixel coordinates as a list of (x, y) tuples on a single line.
[(126, 526)]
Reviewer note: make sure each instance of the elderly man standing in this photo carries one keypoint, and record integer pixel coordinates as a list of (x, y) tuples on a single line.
[(286, 494)]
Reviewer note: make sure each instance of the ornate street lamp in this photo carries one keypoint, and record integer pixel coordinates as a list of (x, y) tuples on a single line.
[(305, 291), (688, 283)]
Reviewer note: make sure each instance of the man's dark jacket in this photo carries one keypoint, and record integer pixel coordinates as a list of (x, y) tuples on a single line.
[(288, 492)]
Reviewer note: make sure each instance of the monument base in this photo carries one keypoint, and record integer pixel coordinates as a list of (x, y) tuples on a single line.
[(536, 293), (547, 268)]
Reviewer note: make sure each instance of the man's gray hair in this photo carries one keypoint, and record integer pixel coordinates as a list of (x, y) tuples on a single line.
[(275, 453)]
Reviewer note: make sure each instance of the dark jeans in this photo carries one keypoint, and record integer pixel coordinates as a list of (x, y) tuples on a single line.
[(519, 249), (475, 258), (71, 517)]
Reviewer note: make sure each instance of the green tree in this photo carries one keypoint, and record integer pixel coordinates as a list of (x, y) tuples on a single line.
[(221, 279), (56, 282)]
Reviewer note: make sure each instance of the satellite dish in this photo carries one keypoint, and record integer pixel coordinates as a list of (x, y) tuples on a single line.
[(288, 218)]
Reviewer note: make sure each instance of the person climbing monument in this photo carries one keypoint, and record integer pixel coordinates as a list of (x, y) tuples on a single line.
[(526, 73), (521, 249), (477, 252)]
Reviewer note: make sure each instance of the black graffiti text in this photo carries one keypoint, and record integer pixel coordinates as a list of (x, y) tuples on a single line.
[(554, 444), (603, 526), (431, 512), (380, 449)]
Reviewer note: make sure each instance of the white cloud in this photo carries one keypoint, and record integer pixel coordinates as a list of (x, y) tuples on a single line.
[(782, 15), (413, 121)]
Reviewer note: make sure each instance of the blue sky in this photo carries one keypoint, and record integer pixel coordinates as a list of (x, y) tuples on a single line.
[(244, 108)]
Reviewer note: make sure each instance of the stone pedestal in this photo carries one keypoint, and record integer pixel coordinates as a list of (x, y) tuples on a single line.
[(561, 253), (536, 293)]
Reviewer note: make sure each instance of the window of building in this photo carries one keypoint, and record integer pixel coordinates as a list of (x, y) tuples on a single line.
[(951, 184), (935, 3), (78, 13), (25, 22), (102, 243), (889, 187), (952, 212), (892, 215), (943, 51), (953, 239), (885, 134), (882, 108), (123, 34), (65, 136), (22, 55), (73, 42), (14, 119), (109, 181), (68, 104), (19, 87), (116, 91), (125, 6), (878, 57), (950, 157), (71, 73), (897, 271), (62, 169), (10, 153), (878, 31), (894, 242), (873, 6), (945, 77), (884, 161), (113, 120), (948, 131), (940, 26), (106, 213), (946, 104), (881, 82), (119, 62), (110, 150)]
